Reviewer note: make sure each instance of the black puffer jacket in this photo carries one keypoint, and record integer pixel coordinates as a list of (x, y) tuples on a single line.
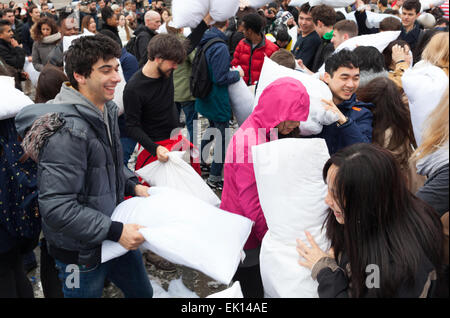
[(143, 37), (81, 176)]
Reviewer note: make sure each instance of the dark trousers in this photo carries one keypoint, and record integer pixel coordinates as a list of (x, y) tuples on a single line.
[(51, 285), (250, 280), (13, 280)]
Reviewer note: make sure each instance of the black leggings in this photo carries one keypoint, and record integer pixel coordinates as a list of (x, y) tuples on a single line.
[(51, 285), (250, 280), (13, 280)]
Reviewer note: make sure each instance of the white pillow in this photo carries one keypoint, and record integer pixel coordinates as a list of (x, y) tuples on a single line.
[(292, 194), (118, 92), (178, 174), (426, 4), (33, 74), (189, 13), (316, 89), (185, 230), (297, 3), (12, 100), (424, 85), (221, 10), (258, 3), (378, 40), (332, 3), (233, 292), (241, 100)]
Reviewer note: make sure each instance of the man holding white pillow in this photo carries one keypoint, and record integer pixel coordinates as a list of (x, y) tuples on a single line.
[(355, 118)]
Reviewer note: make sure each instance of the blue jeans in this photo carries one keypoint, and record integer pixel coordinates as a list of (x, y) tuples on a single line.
[(128, 145), (127, 272), (191, 115), (215, 173)]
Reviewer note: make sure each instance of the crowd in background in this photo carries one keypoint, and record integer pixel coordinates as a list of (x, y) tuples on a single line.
[(370, 102)]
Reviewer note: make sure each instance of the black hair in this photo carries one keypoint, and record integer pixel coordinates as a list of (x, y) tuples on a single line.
[(390, 112), (4, 23), (412, 5), (167, 47), (340, 16), (253, 22), (422, 43), (384, 3), (370, 59), (387, 52), (5, 11), (111, 35), (305, 8), (107, 13), (325, 14), (343, 58), (384, 223), (282, 34), (85, 52), (391, 11)]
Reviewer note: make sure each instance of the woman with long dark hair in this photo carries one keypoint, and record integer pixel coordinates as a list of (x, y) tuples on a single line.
[(392, 128), (385, 242)]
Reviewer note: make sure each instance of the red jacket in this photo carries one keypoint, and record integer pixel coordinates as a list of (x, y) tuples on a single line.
[(250, 60)]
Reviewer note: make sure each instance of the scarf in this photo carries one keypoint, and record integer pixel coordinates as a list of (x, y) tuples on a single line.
[(51, 38)]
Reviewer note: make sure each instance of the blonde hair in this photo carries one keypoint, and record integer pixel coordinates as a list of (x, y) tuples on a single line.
[(436, 133), (436, 51)]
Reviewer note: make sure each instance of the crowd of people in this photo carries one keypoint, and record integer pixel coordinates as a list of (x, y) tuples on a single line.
[(66, 161)]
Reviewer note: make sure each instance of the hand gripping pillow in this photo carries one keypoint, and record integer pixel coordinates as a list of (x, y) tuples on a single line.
[(178, 174), (221, 10), (292, 193), (185, 230), (189, 13), (12, 100), (241, 100), (316, 89), (424, 85)]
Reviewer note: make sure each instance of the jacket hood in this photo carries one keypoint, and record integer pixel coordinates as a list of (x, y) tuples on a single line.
[(284, 99), (143, 28), (211, 34), (38, 122)]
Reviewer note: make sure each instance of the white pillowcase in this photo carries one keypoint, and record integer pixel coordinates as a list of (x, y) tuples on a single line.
[(291, 193), (241, 100), (178, 174), (12, 100), (189, 13), (424, 85), (185, 230), (221, 10)]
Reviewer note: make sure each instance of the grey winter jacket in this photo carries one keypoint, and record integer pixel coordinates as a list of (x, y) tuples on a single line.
[(81, 176), (41, 52)]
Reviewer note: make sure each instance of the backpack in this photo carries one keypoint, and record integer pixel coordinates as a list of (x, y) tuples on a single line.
[(200, 83), (131, 46)]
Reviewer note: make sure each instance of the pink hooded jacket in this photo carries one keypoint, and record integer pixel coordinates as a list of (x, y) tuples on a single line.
[(284, 99)]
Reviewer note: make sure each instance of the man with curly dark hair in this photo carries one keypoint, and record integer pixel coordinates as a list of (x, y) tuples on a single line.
[(82, 178)]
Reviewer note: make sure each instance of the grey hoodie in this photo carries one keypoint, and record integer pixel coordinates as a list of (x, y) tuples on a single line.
[(81, 176)]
